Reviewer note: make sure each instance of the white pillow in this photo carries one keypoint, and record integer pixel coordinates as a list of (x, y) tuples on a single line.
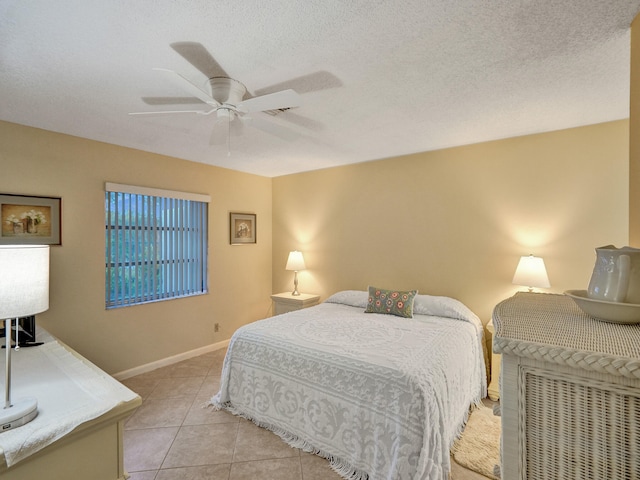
[(354, 298)]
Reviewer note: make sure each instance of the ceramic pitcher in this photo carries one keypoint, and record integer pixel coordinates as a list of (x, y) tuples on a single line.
[(616, 275)]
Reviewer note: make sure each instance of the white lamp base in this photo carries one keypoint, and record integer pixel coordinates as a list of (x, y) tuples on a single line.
[(20, 413)]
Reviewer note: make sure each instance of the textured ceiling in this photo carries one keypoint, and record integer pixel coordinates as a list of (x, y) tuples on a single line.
[(377, 78)]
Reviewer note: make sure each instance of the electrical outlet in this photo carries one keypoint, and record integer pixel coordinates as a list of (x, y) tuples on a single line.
[(216, 327)]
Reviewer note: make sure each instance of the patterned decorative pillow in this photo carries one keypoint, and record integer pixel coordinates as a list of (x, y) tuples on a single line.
[(392, 302)]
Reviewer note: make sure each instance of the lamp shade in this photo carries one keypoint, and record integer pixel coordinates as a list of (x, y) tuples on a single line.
[(295, 261), (24, 280), (531, 272)]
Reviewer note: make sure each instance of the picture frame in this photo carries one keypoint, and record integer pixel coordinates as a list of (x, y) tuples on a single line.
[(30, 220), (242, 228)]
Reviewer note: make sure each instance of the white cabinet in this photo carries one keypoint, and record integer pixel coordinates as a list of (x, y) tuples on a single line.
[(81, 415), (570, 391), (494, 386)]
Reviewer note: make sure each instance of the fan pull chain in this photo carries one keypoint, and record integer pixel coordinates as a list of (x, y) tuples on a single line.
[(229, 135)]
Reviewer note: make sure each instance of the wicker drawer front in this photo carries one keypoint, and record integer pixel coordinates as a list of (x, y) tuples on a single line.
[(578, 428)]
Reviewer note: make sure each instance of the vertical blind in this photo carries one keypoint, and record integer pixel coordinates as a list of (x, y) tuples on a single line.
[(156, 245)]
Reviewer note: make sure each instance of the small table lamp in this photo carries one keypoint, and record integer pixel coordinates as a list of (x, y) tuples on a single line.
[(531, 273), (24, 291), (295, 262)]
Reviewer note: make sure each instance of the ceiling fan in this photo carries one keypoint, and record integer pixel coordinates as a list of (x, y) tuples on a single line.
[(226, 100)]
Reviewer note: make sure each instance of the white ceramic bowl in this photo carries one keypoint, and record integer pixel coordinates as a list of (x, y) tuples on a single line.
[(612, 312)]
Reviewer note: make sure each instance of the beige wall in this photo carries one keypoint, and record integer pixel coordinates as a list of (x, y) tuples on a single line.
[(451, 222), (455, 222), (634, 137), (37, 162)]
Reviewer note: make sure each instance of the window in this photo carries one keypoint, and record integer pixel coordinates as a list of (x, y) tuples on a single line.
[(156, 245)]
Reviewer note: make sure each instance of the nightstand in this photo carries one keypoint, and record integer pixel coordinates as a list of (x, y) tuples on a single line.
[(496, 358), (285, 302)]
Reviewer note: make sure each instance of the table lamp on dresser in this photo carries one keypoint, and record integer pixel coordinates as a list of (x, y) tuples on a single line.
[(24, 291)]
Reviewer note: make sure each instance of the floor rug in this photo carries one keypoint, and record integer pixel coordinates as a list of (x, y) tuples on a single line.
[(479, 447)]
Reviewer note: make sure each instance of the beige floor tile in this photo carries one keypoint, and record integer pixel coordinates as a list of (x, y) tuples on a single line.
[(146, 449), (277, 469), (142, 385), (317, 468), (202, 445), (210, 386), (255, 443), (216, 370), (201, 414), (177, 387), (160, 412), (162, 372), (148, 475), (194, 367), (206, 472)]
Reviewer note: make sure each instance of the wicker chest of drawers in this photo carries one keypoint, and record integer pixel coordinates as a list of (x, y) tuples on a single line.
[(569, 391)]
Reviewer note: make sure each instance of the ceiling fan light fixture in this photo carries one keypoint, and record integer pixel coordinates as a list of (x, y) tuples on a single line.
[(227, 90), (223, 112), (226, 99)]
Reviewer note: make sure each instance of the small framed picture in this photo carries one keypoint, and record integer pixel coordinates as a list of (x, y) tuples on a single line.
[(243, 228), (29, 220)]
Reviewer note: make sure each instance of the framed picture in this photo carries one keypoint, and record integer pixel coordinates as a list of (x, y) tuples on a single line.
[(243, 228), (28, 220)]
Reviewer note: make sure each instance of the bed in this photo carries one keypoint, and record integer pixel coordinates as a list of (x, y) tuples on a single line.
[(380, 396)]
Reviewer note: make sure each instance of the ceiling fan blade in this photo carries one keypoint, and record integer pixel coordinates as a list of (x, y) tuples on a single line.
[(171, 100), (272, 101), (312, 82), (272, 128), (199, 57), (186, 85), (165, 112)]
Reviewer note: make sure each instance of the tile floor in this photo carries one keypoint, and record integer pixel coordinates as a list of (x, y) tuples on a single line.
[(172, 436)]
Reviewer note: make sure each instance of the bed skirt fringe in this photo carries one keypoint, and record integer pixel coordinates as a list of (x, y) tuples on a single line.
[(476, 405), (338, 465)]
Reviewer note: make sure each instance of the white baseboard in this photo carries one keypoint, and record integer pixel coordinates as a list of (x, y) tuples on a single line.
[(132, 372)]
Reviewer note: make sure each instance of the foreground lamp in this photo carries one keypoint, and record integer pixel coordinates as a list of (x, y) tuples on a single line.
[(24, 291), (295, 262), (531, 273)]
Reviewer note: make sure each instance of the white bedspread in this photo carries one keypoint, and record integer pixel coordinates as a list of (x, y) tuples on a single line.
[(382, 397)]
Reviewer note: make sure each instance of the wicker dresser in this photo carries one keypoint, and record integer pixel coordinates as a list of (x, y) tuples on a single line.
[(569, 391)]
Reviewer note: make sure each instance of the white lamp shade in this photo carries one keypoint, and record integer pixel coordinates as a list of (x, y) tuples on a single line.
[(531, 272), (295, 261), (24, 280)]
